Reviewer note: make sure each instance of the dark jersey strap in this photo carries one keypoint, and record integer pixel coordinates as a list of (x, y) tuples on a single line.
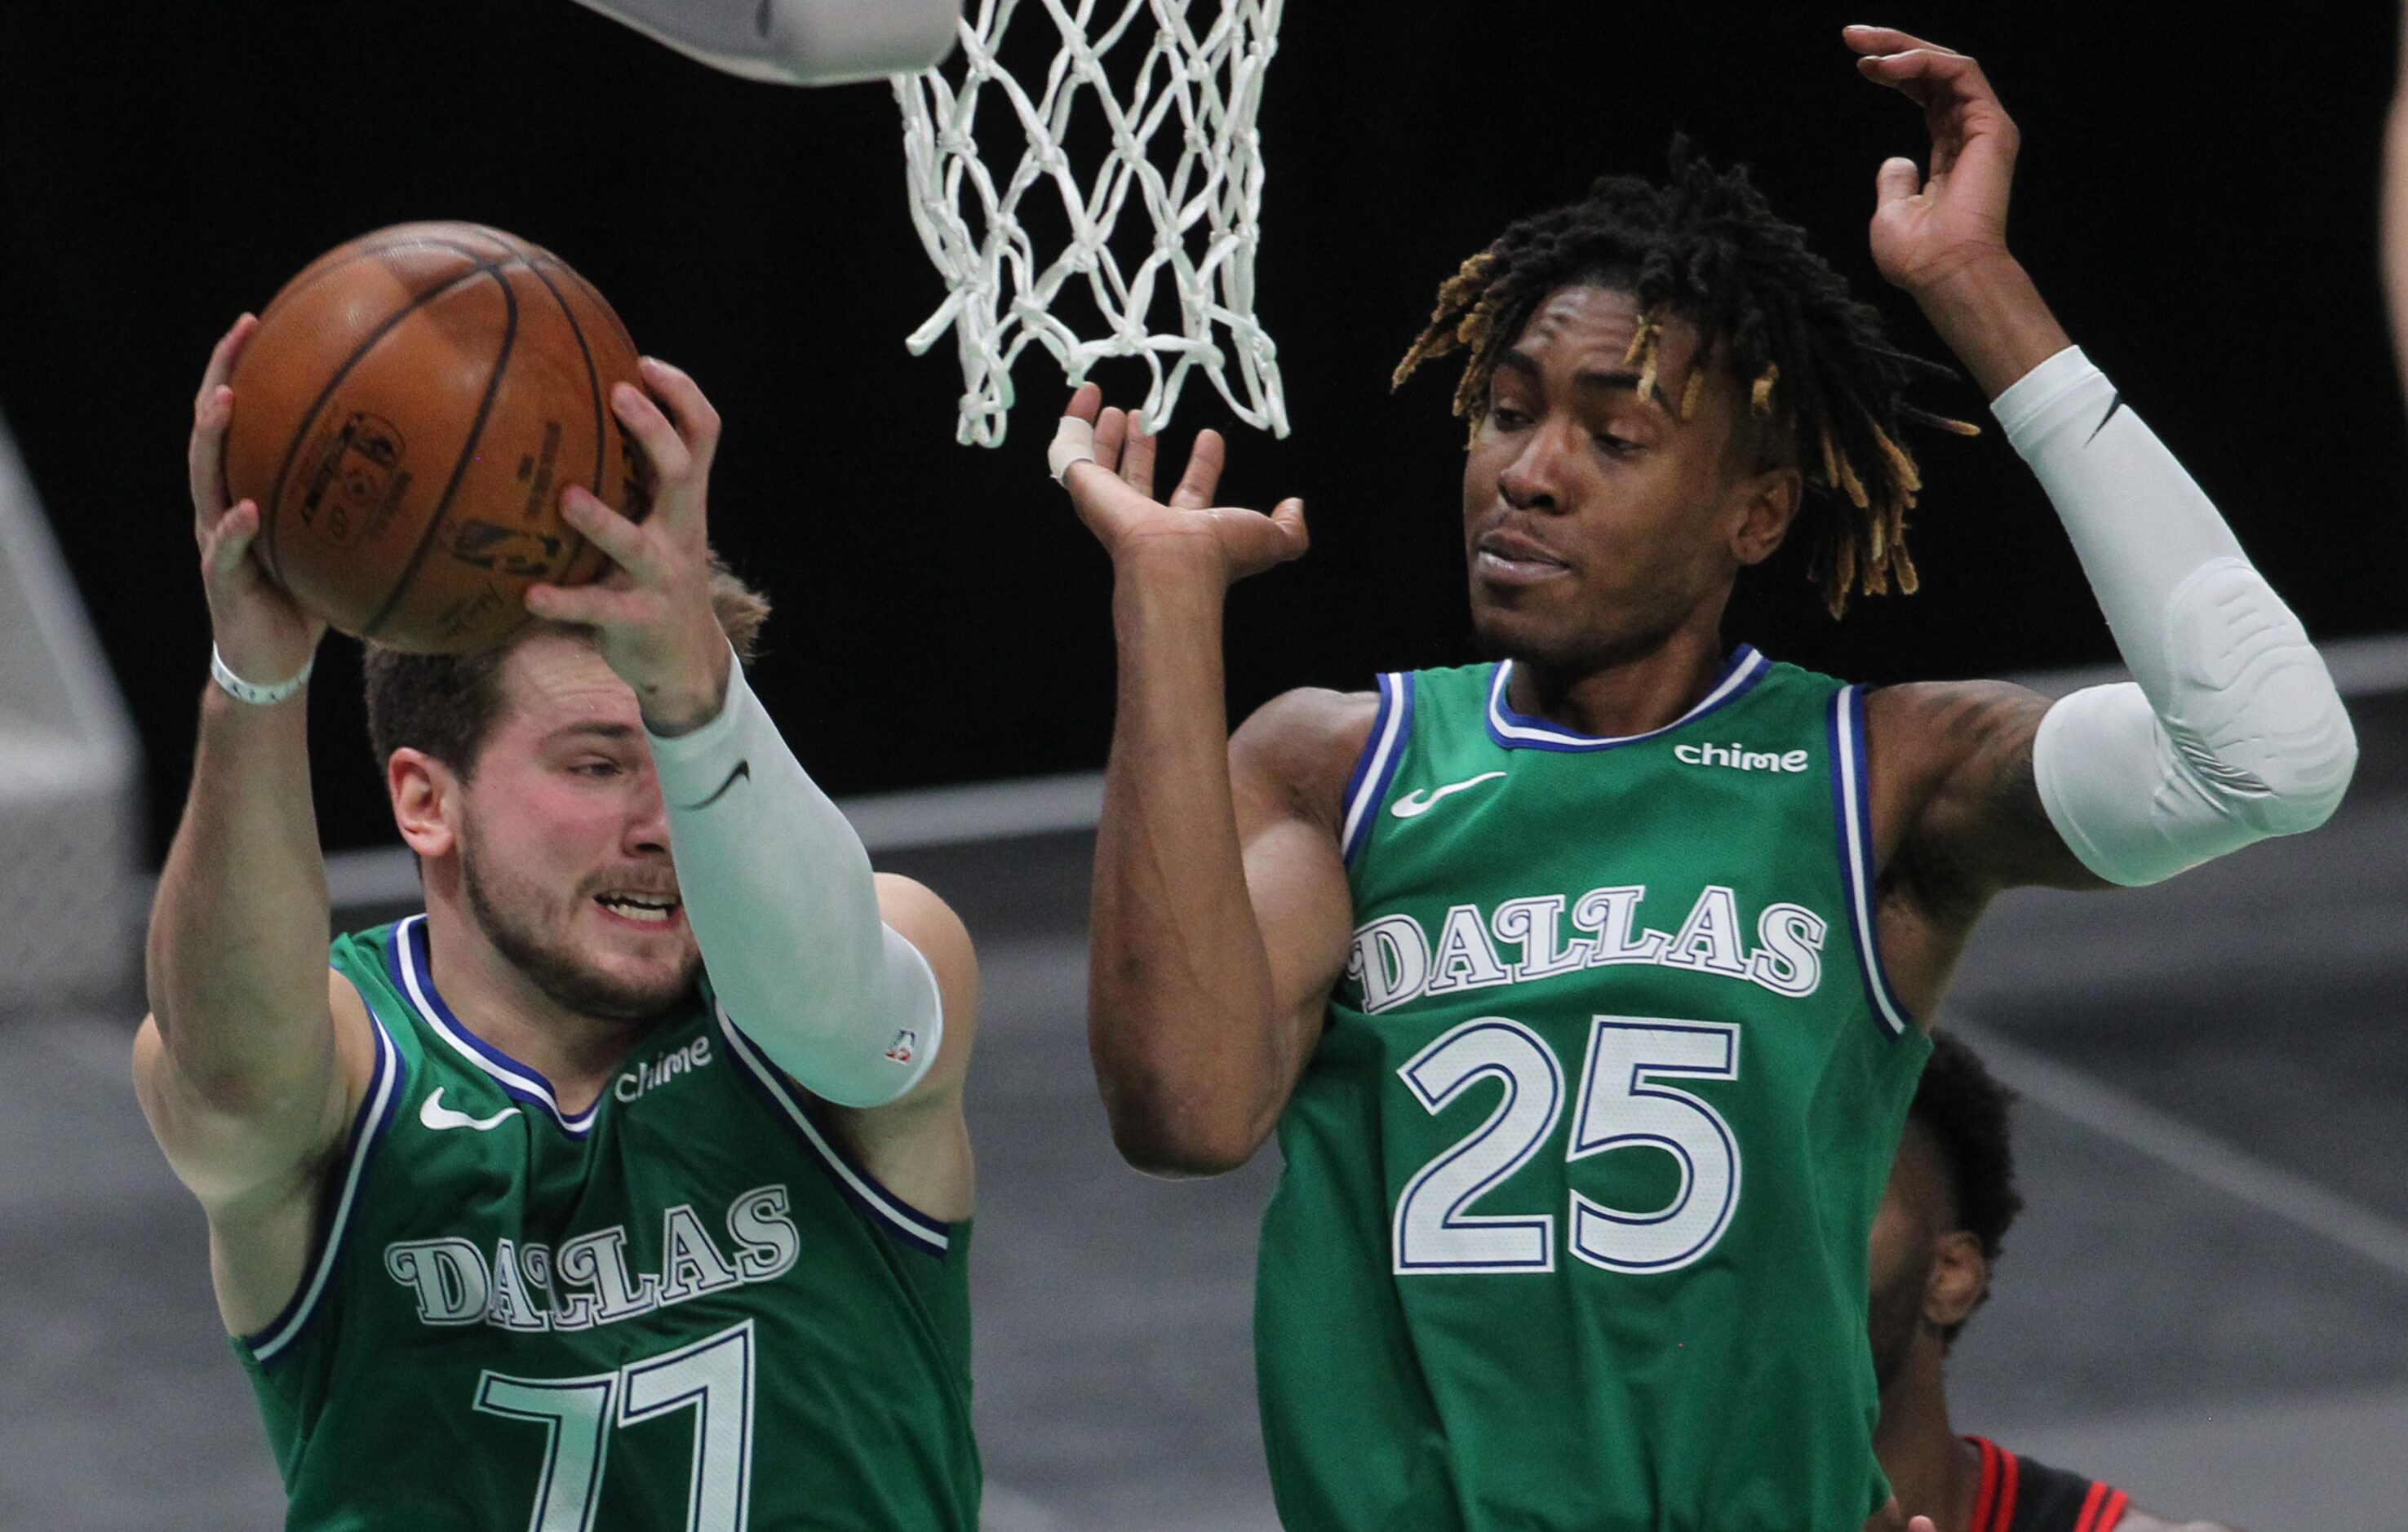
[(2019, 1495)]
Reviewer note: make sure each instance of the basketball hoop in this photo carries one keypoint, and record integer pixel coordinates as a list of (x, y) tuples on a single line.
[(1196, 95)]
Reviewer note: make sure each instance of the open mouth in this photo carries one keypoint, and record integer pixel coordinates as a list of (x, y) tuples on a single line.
[(653, 909)]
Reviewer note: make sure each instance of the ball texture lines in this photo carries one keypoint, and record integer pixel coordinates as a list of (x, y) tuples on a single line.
[(406, 415)]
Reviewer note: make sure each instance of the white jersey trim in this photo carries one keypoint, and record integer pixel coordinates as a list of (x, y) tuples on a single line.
[(376, 1112), (1514, 731), (1852, 808), (931, 1235), (413, 976), (1382, 751)]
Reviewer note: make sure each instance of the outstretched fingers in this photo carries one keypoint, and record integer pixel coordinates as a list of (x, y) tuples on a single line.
[(224, 355), (1202, 480), (1884, 39), (224, 542), (1136, 460), (696, 422), (627, 544), (213, 413), (596, 606), (204, 457), (1254, 542)]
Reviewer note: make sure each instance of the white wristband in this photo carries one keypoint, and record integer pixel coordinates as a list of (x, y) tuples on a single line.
[(251, 691)]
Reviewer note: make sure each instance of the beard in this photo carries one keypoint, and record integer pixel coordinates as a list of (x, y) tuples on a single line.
[(1893, 1319), (503, 906)]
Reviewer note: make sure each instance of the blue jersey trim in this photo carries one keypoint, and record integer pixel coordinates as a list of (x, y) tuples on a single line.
[(1375, 769), (413, 974), (1852, 821), (1516, 731), (376, 1113), (931, 1236)]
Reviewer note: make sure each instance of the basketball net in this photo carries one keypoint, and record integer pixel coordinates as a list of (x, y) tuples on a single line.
[(1193, 93)]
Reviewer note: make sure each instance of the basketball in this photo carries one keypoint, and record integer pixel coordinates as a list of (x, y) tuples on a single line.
[(406, 415)]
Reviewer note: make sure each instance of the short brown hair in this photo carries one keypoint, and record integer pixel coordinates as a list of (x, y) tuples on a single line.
[(444, 704)]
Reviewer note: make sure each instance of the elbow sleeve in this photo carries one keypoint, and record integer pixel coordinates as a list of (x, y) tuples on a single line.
[(2249, 741), (2233, 730)]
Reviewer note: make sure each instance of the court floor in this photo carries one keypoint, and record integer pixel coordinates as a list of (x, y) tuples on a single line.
[(2206, 1300)]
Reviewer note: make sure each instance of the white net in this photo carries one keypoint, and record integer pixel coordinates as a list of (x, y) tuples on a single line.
[(1183, 148)]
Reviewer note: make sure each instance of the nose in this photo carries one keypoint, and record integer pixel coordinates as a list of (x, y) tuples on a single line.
[(647, 832), (1533, 481)]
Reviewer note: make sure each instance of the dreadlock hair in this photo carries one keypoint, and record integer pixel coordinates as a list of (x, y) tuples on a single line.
[(1963, 1107), (446, 704), (1820, 373)]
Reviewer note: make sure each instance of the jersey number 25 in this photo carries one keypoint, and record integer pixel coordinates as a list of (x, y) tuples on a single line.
[(1624, 1103)]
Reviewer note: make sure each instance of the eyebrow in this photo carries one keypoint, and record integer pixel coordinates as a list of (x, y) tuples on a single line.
[(1604, 381), (594, 729)]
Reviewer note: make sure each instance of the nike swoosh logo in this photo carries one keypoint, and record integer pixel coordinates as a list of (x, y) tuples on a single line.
[(434, 1114), (2112, 405), (1415, 802), (743, 770)]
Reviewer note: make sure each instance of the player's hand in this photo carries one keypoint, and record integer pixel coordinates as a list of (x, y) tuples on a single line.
[(265, 635), (1929, 227), (653, 611), (1114, 496), (1890, 1518)]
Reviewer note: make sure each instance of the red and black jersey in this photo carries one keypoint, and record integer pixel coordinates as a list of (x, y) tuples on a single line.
[(2018, 1495)]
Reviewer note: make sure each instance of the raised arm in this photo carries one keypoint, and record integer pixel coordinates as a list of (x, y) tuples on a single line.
[(862, 990), (1221, 913), (2231, 731), (242, 1071)]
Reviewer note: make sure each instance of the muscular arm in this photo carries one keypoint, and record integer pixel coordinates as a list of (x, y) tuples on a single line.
[(918, 1146), (2233, 730), (237, 1066), (1221, 911), (253, 1054)]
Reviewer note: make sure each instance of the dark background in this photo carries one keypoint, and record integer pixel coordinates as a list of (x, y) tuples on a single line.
[(2197, 199)]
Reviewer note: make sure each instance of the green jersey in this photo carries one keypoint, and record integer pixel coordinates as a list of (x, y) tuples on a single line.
[(1571, 1232), (683, 1307)]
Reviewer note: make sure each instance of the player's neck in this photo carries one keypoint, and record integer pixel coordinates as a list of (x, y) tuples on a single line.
[(1634, 692), (494, 998), (1934, 1471)]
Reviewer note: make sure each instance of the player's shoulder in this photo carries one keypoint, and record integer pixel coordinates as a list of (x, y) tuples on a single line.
[(1921, 733), (1941, 709), (1301, 745)]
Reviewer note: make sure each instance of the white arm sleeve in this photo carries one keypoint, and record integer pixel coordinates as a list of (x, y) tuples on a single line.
[(780, 891), (2230, 730)]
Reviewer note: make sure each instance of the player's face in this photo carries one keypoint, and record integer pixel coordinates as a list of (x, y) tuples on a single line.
[(1596, 522), (1902, 1254), (564, 847)]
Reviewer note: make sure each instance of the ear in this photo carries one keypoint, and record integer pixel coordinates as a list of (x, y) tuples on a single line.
[(1959, 1280), (425, 801), (1768, 503)]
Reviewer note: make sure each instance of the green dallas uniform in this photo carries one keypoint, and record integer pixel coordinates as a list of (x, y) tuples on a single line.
[(1571, 1232), (682, 1308)]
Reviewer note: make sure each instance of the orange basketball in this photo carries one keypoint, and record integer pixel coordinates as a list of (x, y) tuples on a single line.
[(406, 415)]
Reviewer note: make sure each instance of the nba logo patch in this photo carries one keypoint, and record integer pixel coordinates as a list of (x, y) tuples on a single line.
[(905, 1048)]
